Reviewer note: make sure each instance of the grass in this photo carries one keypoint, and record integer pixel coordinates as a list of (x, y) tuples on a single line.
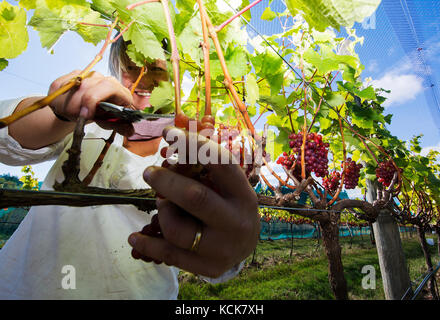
[(276, 276)]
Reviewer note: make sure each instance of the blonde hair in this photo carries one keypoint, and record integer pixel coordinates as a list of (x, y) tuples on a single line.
[(119, 60)]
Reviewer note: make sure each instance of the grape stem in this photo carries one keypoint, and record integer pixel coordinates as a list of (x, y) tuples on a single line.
[(228, 80), (174, 56), (341, 184), (224, 24), (207, 69), (137, 4)]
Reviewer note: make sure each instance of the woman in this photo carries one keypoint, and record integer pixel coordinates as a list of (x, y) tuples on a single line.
[(61, 252)]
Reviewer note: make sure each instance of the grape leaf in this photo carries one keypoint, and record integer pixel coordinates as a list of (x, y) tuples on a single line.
[(268, 14), (252, 90), (104, 7), (53, 18), (321, 14), (190, 39), (135, 56), (162, 97), (13, 33), (145, 41), (3, 63), (28, 4), (278, 103)]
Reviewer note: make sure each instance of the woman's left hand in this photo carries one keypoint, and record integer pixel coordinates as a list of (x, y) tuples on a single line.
[(229, 217)]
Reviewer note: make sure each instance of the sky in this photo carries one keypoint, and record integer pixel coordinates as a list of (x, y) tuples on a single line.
[(386, 61)]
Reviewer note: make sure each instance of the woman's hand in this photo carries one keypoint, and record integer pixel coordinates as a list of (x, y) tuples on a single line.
[(229, 217), (85, 99)]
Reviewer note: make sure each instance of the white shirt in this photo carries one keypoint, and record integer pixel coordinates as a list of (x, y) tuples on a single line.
[(61, 252)]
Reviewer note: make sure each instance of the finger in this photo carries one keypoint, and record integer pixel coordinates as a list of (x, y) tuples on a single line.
[(161, 249), (177, 227), (192, 196), (107, 89), (180, 229), (59, 82)]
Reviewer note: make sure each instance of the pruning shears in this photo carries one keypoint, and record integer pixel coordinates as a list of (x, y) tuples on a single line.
[(113, 113)]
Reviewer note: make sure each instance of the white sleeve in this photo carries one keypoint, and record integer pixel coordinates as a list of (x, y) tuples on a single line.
[(12, 153), (228, 275)]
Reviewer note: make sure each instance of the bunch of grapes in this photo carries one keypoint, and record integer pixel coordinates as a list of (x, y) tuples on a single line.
[(352, 173), (385, 172), (227, 133), (316, 152), (331, 183), (286, 160)]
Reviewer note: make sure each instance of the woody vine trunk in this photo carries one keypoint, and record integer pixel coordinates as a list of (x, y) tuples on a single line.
[(330, 237), (426, 253)]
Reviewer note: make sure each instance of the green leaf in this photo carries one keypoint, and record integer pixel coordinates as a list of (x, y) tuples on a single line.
[(103, 6), (323, 64), (53, 18), (324, 123), (145, 41), (368, 93), (149, 14), (135, 56), (252, 90), (268, 14), (190, 39), (334, 99), (3, 63), (162, 97), (28, 4), (13, 33), (321, 14), (278, 103)]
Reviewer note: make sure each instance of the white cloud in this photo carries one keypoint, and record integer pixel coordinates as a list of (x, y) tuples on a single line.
[(187, 85), (222, 6), (373, 66), (404, 87)]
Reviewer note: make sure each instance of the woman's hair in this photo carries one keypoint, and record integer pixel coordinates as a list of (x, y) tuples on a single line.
[(119, 60)]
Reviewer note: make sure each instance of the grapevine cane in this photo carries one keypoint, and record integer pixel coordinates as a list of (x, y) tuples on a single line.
[(224, 24), (134, 5), (75, 82), (277, 176), (174, 56), (174, 53), (228, 80), (207, 69), (343, 166), (399, 176), (99, 161)]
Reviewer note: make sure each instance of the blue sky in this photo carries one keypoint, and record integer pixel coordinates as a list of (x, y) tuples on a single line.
[(383, 56)]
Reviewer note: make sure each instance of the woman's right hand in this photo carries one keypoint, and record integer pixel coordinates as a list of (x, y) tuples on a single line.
[(84, 100)]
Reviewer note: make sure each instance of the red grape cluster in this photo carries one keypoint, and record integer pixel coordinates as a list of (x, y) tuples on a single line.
[(227, 133), (286, 160), (331, 183), (152, 230), (385, 172), (316, 152), (352, 173)]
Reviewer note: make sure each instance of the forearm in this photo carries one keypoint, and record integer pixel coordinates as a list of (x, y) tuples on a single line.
[(40, 128)]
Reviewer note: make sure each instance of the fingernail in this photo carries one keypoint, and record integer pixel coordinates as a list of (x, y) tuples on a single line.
[(148, 172), (132, 240), (84, 112)]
